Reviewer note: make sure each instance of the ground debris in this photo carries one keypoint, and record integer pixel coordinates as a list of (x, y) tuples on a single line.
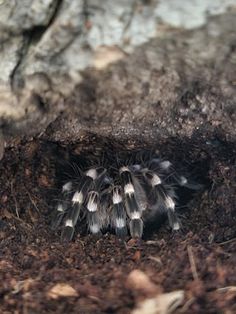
[(139, 281), (61, 290), (165, 303), (22, 285)]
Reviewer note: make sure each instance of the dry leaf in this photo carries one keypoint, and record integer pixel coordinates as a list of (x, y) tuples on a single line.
[(165, 303), (62, 290)]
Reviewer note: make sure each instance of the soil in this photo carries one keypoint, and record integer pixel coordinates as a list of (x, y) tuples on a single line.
[(190, 122), (33, 260)]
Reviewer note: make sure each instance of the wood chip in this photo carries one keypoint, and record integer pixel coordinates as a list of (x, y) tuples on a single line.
[(61, 290)]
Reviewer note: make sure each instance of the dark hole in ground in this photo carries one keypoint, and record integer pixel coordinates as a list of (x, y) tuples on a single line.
[(111, 154)]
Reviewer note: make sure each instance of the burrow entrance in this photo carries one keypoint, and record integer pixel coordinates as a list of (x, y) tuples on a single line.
[(34, 172)]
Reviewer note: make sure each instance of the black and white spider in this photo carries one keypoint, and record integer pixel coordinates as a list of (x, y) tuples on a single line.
[(123, 196)]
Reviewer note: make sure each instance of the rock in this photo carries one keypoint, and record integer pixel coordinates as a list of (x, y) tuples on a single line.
[(47, 46)]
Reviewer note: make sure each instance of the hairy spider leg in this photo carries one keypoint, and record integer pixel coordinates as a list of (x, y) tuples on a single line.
[(77, 202), (134, 211), (180, 179), (96, 213), (118, 219), (62, 205), (92, 206), (163, 199), (167, 168)]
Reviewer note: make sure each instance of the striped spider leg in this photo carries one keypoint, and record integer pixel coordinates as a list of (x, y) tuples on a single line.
[(162, 197), (118, 214), (62, 205), (96, 203), (92, 211), (99, 220), (134, 207), (78, 200), (166, 168)]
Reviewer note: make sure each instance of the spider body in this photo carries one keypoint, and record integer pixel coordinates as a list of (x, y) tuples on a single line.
[(123, 200)]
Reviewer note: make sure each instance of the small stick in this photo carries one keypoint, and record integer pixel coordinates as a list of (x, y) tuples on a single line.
[(32, 201), (15, 201), (228, 241), (156, 259), (192, 262), (226, 289), (187, 305)]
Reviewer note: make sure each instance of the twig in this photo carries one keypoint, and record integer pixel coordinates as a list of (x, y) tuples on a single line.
[(192, 262), (25, 224), (32, 201), (15, 201), (187, 305), (231, 240), (155, 259), (226, 289)]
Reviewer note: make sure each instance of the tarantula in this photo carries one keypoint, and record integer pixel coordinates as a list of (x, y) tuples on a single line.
[(122, 196)]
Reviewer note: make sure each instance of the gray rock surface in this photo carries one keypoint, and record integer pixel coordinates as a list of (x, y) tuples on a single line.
[(48, 46), (174, 86)]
